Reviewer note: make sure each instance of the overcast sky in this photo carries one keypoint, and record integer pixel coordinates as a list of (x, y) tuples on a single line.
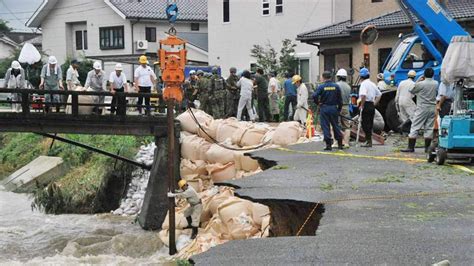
[(17, 12)]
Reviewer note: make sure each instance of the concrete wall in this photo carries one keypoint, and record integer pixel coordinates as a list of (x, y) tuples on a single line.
[(366, 9), (6, 50), (230, 43)]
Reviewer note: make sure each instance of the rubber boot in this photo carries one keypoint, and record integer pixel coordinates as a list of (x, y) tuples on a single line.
[(411, 146), (328, 146), (195, 232), (190, 221), (427, 145), (368, 144), (339, 144), (347, 138)]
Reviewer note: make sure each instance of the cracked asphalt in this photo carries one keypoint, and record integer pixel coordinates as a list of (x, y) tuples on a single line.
[(401, 231)]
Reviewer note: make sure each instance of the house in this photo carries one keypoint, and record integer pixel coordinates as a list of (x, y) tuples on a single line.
[(235, 26), (339, 43), (118, 30), (7, 46)]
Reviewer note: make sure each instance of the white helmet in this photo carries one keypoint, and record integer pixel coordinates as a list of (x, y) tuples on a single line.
[(118, 67), (52, 60), (412, 73), (16, 65), (192, 72), (97, 65), (341, 73)]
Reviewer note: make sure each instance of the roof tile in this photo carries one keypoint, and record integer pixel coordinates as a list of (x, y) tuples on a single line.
[(188, 10)]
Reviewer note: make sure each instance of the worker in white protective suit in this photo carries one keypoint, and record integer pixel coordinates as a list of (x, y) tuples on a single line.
[(301, 100), (15, 79), (193, 212), (404, 98)]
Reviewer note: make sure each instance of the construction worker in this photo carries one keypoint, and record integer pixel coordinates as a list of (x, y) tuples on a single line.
[(218, 94), (193, 212), (425, 92), (232, 93), (145, 80), (341, 77), (444, 99), (328, 97), (404, 98), (369, 96), (97, 81), (381, 84), (15, 79), (72, 76), (51, 79), (118, 83), (263, 103), (301, 100)]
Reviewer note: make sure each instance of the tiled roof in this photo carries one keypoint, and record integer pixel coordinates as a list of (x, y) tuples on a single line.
[(200, 40), (459, 9), (188, 10)]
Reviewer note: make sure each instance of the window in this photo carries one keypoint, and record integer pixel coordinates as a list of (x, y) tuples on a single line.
[(303, 69), (194, 26), (279, 7), (384, 53), (226, 12), (111, 38), (81, 40), (377, 1), (265, 7), (150, 34)]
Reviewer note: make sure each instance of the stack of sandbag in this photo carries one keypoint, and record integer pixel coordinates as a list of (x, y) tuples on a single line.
[(250, 135), (287, 133), (82, 99), (225, 217), (187, 120)]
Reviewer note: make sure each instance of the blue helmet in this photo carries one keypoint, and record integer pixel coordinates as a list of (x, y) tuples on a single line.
[(364, 72)]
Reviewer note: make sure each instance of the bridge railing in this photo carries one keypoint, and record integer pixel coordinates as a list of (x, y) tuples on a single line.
[(34, 100)]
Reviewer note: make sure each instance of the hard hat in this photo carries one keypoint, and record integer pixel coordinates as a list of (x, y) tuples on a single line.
[(97, 65), (296, 78), (327, 74), (118, 67), (341, 73), (181, 183), (16, 65), (74, 62), (200, 72), (52, 60), (207, 74), (411, 73), (233, 70), (215, 70), (143, 59), (364, 72), (192, 72), (380, 76)]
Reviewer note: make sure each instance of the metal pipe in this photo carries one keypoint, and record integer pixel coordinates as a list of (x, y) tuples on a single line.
[(171, 179), (87, 147)]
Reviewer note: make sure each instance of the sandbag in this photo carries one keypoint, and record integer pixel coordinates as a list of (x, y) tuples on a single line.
[(458, 62), (220, 172), (217, 154), (188, 167), (287, 133), (197, 184), (194, 148), (253, 136), (164, 235), (180, 220), (233, 207), (226, 129), (217, 200), (82, 99), (210, 128), (259, 211), (245, 163), (241, 227), (187, 122)]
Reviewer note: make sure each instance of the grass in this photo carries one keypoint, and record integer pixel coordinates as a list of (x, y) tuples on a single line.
[(280, 167), (424, 216), (326, 187), (75, 192), (388, 178)]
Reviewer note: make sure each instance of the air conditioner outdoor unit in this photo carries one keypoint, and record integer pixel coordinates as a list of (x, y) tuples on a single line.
[(142, 45)]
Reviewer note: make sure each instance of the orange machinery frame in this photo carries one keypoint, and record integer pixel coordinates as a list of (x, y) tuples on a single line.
[(172, 66)]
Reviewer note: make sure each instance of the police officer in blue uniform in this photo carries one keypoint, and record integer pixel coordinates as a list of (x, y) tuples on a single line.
[(328, 97)]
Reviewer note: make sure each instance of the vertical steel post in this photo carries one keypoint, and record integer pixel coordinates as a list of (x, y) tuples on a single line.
[(171, 178)]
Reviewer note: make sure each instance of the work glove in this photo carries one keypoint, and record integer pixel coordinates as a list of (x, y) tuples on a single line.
[(171, 195)]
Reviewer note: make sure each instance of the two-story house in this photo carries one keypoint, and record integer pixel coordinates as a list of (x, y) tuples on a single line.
[(340, 45), (235, 26), (118, 30)]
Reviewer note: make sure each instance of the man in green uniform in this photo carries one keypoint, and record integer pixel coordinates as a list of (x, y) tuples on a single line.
[(218, 95), (263, 107), (203, 85), (233, 93)]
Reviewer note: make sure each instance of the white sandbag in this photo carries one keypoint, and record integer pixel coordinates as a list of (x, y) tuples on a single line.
[(220, 172), (226, 129), (180, 220), (218, 200), (197, 184), (82, 99), (194, 148), (241, 227), (210, 128), (259, 211), (245, 163), (233, 207), (287, 133), (188, 123), (188, 167), (164, 235), (458, 62), (218, 154), (253, 136)]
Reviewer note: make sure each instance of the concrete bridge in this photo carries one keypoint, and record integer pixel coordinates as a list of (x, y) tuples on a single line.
[(164, 128)]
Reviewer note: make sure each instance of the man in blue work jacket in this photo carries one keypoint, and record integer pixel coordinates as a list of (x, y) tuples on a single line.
[(329, 99)]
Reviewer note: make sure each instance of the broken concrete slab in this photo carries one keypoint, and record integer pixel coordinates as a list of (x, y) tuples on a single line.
[(41, 170)]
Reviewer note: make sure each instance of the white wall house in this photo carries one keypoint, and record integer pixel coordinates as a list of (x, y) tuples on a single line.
[(236, 25), (7, 46), (118, 30)]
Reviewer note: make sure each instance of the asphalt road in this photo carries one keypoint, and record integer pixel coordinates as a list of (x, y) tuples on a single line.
[(395, 230)]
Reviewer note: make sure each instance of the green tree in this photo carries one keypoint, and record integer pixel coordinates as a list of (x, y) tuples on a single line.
[(4, 26), (270, 60), (84, 67)]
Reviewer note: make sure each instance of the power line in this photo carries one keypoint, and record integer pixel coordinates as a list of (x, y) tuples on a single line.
[(5, 5)]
